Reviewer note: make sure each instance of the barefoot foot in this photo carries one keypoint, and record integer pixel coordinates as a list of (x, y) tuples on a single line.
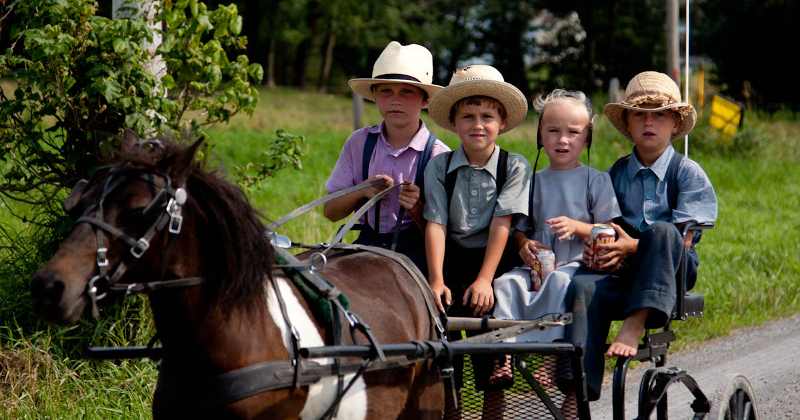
[(627, 342)]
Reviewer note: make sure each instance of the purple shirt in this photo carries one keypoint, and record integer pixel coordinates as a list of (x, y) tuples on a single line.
[(400, 164)]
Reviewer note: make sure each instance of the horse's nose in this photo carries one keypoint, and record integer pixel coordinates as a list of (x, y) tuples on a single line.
[(46, 289)]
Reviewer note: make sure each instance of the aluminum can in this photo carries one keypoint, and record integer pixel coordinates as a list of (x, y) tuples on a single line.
[(545, 264), (601, 234)]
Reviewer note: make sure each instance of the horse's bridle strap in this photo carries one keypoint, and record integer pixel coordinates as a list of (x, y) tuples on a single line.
[(157, 285)]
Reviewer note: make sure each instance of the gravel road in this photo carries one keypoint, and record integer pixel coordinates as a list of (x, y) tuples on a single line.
[(768, 355)]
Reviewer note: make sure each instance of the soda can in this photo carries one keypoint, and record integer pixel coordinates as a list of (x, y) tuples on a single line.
[(544, 265), (601, 234)]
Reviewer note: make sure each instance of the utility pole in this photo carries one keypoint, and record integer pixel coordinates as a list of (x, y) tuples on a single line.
[(673, 49)]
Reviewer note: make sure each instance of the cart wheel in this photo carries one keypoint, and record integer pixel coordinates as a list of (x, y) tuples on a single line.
[(734, 401)]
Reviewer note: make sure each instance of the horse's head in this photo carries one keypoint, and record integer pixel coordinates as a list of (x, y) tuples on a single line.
[(122, 211)]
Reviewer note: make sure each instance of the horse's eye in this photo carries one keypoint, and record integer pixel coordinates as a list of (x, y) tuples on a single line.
[(132, 215)]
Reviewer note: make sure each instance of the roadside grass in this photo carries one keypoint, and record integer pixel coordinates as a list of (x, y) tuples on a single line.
[(750, 270)]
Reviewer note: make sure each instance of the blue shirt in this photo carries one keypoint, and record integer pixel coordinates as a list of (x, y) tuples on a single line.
[(644, 198)]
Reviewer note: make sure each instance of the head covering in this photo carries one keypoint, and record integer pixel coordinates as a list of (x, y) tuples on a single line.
[(652, 91), (411, 64), (479, 80)]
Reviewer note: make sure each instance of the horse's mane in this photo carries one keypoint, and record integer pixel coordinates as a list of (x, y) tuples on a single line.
[(235, 251)]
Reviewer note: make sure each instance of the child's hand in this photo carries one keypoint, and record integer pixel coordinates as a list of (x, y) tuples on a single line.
[(611, 256), (409, 196), (479, 296), (440, 291), (528, 252), (563, 227), (371, 191)]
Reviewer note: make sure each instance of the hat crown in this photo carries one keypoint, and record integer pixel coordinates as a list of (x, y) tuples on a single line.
[(408, 60), (652, 87), (476, 72)]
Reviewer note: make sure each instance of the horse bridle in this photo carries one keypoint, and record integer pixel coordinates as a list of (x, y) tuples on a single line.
[(170, 199)]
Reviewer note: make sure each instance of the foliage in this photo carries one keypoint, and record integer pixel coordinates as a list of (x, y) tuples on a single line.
[(79, 78), (282, 152)]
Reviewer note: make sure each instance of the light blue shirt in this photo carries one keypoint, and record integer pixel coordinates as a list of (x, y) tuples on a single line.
[(643, 193)]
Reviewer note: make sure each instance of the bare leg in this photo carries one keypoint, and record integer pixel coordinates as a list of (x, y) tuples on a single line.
[(627, 342)]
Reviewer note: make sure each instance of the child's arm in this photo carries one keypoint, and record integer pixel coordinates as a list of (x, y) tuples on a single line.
[(341, 207), (480, 294), (411, 200), (564, 228), (435, 234)]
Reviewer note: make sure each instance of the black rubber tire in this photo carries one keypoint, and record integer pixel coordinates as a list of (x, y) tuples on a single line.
[(734, 401)]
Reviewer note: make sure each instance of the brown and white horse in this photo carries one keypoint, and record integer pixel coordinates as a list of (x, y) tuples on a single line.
[(233, 319)]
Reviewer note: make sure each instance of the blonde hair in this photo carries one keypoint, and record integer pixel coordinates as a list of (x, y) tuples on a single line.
[(541, 101)]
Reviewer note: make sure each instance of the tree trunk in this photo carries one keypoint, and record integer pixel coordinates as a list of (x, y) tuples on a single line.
[(124, 9), (327, 61), (271, 64)]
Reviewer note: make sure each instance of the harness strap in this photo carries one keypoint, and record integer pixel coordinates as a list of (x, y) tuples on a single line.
[(356, 215)]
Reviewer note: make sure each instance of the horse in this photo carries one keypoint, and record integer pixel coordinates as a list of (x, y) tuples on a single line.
[(223, 313)]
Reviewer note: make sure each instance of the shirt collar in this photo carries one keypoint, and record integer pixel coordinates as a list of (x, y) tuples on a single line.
[(659, 167), (460, 159), (417, 142)]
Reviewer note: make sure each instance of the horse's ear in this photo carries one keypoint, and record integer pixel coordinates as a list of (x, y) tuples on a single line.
[(181, 163), (129, 141)]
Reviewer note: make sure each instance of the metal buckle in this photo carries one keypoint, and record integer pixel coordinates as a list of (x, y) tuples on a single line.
[(92, 289), (140, 248), (317, 261), (102, 257), (175, 223)]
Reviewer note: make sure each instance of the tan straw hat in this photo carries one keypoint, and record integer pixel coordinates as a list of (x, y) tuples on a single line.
[(479, 80), (411, 64), (652, 91)]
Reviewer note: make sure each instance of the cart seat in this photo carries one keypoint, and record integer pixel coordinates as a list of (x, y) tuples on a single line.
[(693, 305)]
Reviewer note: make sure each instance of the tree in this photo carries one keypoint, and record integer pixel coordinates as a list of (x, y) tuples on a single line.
[(79, 78)]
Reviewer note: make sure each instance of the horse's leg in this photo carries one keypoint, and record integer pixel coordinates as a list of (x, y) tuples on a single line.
[(427, 394)]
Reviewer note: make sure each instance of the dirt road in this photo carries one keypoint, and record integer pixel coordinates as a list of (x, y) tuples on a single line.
[(769, 356)]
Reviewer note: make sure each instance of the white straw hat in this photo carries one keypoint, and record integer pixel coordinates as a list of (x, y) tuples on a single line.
[(651, 91), (479, 80), (411, 64)]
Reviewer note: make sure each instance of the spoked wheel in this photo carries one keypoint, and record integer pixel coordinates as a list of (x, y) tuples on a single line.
[(735, 401)]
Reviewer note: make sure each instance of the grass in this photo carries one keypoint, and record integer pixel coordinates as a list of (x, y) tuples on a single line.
[(750, 271)]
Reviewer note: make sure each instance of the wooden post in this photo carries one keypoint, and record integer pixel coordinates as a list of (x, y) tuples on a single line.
[(358, 110), (673, 51)]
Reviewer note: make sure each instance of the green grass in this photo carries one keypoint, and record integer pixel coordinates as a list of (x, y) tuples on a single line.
[(750, 268)]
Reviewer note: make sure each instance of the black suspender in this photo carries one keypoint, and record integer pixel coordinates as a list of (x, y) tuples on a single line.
[(500, 181), (419, 175)]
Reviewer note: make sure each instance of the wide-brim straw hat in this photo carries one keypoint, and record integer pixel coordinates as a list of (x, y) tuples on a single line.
[(651, 91), (411, 64), (479, 80)]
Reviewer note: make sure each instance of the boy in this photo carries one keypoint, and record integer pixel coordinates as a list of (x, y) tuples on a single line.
[(472, 193), (396, 151), (658, 190)]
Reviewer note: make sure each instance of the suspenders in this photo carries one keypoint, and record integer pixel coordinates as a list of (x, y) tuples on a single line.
[(500, 182), (419, 175)]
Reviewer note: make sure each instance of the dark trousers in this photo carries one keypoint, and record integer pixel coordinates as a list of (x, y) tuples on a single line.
[(461, 267), (647, 281), (410, 242)]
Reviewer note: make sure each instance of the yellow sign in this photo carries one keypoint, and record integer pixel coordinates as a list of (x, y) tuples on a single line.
[(726, 115)]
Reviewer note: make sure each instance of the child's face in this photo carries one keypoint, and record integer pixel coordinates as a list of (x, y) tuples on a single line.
[(565, 127), (652, 131), (478, 127), (399, 103)]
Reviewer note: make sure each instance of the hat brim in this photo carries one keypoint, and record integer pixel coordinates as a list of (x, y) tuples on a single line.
[(615, 112), (507, 94), (363, 86)]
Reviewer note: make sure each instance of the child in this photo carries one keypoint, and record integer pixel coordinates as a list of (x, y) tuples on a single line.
[(471, 195), (397, 151), (658, 190), (565, 200)]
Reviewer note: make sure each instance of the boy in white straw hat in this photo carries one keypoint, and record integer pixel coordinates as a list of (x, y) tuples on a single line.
[(471, 195), (658, 191), (396, 151)]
